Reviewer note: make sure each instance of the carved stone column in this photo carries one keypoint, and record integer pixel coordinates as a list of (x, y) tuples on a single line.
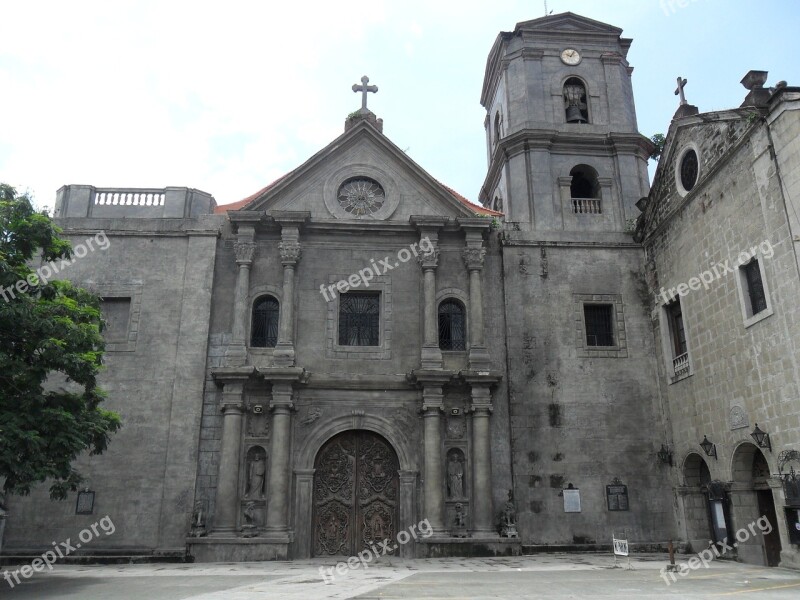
[(236, 354), (227, 501), (290, 251), (284, 350), (431, 354), (281, 432), (408, 502), (481, 409), (428, 258), (478, 354), (432, 407)]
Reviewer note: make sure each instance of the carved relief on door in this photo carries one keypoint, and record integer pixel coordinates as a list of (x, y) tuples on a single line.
[(355, 493)]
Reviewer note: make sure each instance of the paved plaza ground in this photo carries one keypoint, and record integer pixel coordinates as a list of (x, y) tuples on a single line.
[(551, 576)]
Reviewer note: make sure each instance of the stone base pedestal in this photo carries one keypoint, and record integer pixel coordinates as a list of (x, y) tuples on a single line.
[(790, 559), (237, 549), (439, 547)]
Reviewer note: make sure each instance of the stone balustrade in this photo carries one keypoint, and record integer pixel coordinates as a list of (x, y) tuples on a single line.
[(138, 197), (680, 364), (82, 201), (586, 206)]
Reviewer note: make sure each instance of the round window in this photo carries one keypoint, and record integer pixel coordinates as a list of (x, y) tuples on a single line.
[(361, 196), (689, 169)]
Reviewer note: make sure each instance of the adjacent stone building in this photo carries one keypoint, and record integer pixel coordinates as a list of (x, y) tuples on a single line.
[(720, 232), (357, 352)]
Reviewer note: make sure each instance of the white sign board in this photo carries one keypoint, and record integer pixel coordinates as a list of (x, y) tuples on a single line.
[(620, 547), (572, 501)]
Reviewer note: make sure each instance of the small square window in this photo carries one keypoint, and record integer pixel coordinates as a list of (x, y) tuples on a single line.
[(359, 319), (755, 288), (599, 324), (117, 315)]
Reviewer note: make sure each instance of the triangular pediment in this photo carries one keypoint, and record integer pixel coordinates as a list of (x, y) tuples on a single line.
[(361, 152), (711, 136), (567, 22)]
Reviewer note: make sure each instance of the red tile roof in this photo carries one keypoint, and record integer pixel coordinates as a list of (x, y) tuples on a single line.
[(471, 205), (224, 208)]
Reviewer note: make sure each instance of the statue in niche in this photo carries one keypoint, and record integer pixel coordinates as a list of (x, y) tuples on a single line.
[(255, 477), (508, 518), (461, 516), (455, 475), (198, 520), (249, 514), (460, 521)]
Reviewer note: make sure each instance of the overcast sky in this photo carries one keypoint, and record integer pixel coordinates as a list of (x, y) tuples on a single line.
[(227, 96)]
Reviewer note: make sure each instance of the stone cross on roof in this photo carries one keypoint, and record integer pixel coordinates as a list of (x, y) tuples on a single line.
[(679, 91), (364, 89)]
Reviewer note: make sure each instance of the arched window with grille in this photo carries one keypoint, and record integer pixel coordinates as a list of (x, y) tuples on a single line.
[(264, 326), (452, 325), (498, 123)]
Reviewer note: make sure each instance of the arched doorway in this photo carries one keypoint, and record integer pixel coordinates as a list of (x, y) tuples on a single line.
[(698, 509), (754, 505), (355, 494)]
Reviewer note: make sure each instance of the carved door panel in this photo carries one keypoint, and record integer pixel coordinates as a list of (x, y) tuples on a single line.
[(355, 494)]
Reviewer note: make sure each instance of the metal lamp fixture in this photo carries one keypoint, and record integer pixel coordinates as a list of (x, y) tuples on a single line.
[(708, 447), (664, 455), (761, 438)]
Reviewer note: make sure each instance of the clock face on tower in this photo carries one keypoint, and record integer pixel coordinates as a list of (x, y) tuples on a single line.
[(570, 57)]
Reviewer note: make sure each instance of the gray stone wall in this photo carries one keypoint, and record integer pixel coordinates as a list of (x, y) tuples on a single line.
[(145, 481), (742, 371), (581, 415)]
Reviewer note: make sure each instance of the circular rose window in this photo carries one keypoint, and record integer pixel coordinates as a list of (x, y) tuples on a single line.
[(361, 196)]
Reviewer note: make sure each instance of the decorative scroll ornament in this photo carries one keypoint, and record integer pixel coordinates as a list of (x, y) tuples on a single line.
[(290, 252), (311, 415), (787, 456), (738, 418), (473, 257), (245, 251), (456, 428)]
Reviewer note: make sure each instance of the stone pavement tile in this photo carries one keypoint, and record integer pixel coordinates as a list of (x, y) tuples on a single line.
[(552, 576)]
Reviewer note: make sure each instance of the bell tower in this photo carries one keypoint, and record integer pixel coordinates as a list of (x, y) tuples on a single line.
[(563, 148), (568, 166)]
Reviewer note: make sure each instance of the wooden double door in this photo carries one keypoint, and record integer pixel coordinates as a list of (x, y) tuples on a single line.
[(355, 494)]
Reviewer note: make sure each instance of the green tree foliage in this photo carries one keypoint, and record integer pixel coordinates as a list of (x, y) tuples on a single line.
[(50, 354), (658, 140)]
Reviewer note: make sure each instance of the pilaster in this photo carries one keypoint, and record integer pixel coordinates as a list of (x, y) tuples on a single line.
[(431, 354), (232, 408), (473, 255), (290, 252)]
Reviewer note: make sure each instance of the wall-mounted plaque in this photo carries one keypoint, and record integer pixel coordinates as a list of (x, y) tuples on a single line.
[(617, 495), (85, 503), (572, 500)]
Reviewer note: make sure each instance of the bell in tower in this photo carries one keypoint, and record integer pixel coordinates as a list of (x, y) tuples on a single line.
[(575, 101)]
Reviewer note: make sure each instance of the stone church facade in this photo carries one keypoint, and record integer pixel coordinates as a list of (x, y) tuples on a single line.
[(356, 352)]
